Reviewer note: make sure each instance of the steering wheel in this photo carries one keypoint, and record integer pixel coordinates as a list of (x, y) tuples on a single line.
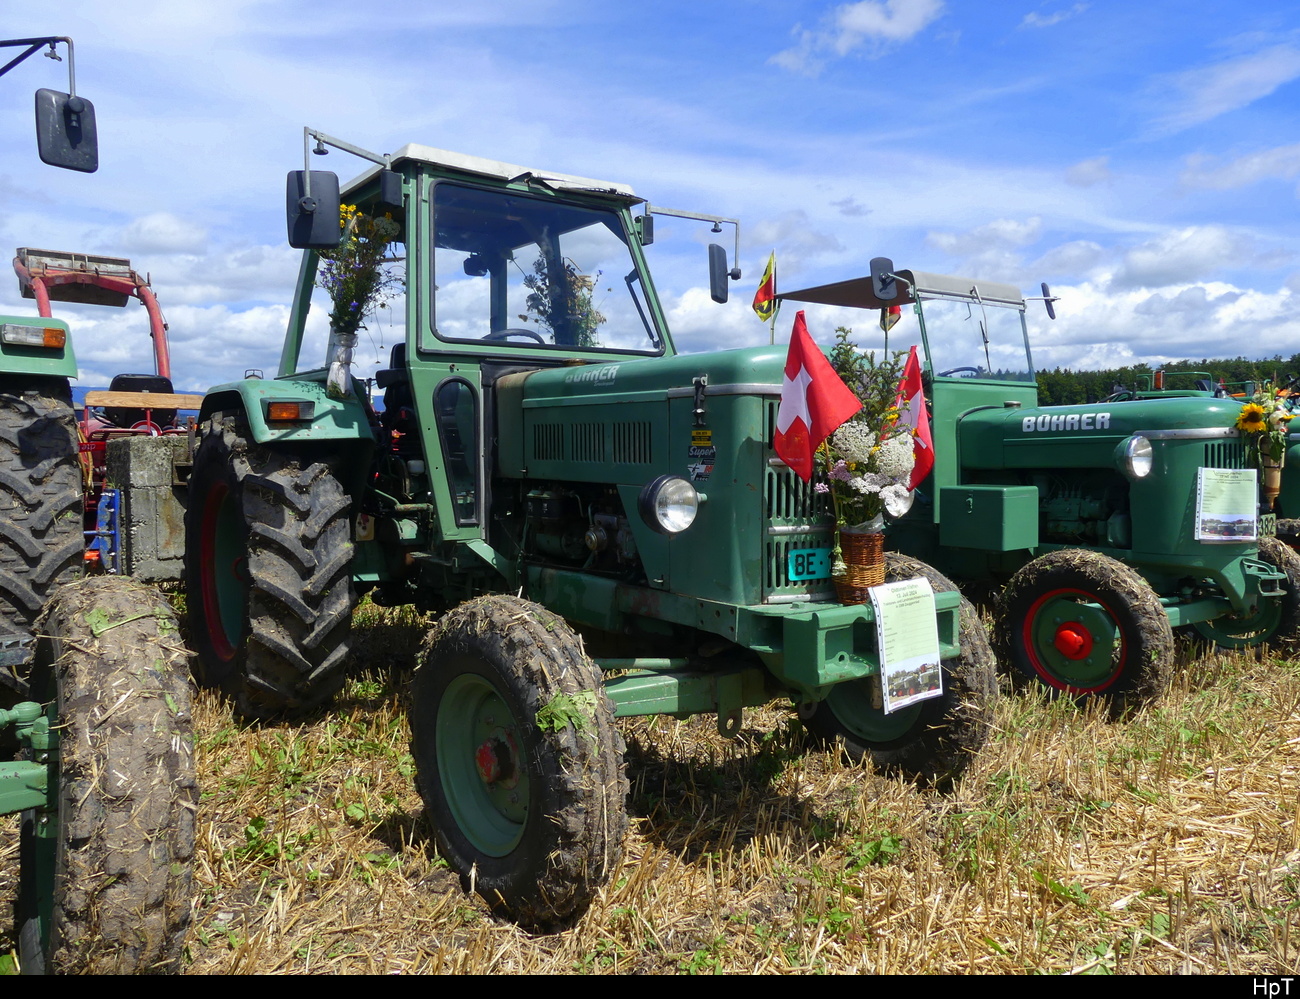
[(506, 334), (955, 371)]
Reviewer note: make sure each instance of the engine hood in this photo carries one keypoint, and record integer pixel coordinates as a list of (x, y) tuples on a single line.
[(1008, 436), (758, 369)]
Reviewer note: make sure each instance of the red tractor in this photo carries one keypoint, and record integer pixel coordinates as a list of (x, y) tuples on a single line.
[(135, 405)]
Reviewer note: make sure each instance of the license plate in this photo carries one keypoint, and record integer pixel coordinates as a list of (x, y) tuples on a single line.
[(808, 563)]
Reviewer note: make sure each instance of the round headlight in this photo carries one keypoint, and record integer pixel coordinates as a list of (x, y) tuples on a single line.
[(1138, 457), (669, 504)]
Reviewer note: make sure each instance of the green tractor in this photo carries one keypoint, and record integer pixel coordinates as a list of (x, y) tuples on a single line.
[(603, 522), (1110, 524)]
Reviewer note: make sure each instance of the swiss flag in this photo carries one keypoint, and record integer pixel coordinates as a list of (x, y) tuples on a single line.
[(911, 393), (814, 402)]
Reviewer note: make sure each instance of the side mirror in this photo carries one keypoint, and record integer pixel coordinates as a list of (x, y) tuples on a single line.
[(717, 273), (390, 192), (1048, 300), (883, 283), (645, 228), (313, 222), (65, 131)]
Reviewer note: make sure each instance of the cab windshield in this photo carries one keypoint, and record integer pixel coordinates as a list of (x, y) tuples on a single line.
[(533, 273), (969, 339)]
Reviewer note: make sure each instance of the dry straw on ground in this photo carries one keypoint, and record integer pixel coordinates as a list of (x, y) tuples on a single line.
[(1166, 843)]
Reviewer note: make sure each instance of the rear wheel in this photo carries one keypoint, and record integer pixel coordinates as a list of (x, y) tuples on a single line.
[(105, 883), (519, 763), (1083, 624), (936, 738), (268, 558), (41, 540)]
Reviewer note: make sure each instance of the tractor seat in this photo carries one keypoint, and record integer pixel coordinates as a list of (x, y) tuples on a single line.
[(122, 416)]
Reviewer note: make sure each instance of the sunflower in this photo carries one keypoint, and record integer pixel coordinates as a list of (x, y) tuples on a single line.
[(1252, 419)]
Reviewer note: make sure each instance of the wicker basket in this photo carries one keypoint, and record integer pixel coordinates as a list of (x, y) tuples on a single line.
[(864, 557)]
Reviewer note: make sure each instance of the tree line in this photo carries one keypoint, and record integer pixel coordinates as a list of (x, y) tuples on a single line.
[(1064, 386)]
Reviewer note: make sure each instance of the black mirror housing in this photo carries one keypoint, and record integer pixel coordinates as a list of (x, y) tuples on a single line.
[(65, 131), (313, 222), (390, 193), (717, 273), (883, 283)]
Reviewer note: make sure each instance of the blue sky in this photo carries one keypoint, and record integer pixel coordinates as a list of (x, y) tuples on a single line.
[(1142, 158)]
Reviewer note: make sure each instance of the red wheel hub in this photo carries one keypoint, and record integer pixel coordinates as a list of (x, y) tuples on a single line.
[(1073, 641), (488, 763)]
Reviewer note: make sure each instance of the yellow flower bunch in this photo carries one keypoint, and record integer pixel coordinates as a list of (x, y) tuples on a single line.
[(1262, 423)]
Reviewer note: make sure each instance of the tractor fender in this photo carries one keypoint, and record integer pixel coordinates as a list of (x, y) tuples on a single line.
[(58, 362), (329, 419)]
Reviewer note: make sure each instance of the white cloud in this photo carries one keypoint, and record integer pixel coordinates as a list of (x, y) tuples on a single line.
[(1086, 173), (1180, 255), (1100, 327), (851, 26), (1209, 91), (793, 235), (161, 232), (998, 233), (1036, 20), (1280, 162)]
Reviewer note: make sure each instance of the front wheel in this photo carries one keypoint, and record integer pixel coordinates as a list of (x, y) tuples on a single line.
[(105, 880), (935, 739), (1275, 620), (519, 763), (268, 562), (1083, 624)]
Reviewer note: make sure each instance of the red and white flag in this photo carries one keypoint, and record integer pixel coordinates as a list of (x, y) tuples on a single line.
[(911, 394), (814, 402)]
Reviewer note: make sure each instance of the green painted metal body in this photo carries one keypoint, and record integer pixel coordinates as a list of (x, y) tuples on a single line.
[(1013, 480), (521, 456), (33, 785), (58, 362)]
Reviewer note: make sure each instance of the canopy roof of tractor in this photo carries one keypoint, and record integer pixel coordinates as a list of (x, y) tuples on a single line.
[(496, 170), (857, 292)]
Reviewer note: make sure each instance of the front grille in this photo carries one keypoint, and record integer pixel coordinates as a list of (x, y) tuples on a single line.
[(632, 443), (548, 442), (1225, 454), (587, 441), (798, 518)]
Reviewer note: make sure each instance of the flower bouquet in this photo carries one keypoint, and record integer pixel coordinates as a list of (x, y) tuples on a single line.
[(1263, 423), (867, 463), (356, 279)]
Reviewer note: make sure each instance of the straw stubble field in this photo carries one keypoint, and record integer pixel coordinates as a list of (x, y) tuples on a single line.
[(1169, 842)]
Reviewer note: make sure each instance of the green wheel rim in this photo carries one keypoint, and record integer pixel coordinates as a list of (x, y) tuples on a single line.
[(483, 773), (850, 703), (1247, 630)]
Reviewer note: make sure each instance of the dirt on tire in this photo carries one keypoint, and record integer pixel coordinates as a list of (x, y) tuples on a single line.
[(110, 652)]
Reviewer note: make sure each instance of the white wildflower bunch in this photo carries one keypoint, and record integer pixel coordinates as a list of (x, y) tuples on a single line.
[(854, 442), (895, 458)]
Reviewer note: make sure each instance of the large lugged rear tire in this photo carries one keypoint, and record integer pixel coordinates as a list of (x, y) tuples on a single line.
[(41, 540), (1083, 624), (520, 764), (268, 559), (108, 892), (936, 739)]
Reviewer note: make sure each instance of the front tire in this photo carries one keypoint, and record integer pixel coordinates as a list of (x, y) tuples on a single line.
[(1083, 624), (1275, 620), (519, 762), (936, 739), (268, 559), (107, 891)]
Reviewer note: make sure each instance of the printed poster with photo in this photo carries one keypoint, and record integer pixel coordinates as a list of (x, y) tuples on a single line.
[(907, 640), (1227, 505)]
